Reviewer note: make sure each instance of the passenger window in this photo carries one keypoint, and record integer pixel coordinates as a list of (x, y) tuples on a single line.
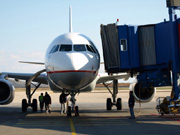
[(79, 48), (56, 48), (66, 48), (123, 43)]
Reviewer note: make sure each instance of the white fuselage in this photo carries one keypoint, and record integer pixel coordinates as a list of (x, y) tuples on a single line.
[(72, 62)]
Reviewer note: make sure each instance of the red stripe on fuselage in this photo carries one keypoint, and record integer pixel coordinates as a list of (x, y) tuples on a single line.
[(71, 71)]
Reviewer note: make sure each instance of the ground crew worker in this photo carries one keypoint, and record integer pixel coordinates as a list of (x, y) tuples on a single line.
[(131, 103), (41, 102), (63, 100), (73, 101), (47, 101)]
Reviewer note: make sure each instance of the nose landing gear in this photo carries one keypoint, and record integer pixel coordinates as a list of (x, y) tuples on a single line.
[(73, 108)]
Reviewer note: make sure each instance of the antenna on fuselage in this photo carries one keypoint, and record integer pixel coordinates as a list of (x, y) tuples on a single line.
[(70, 20)]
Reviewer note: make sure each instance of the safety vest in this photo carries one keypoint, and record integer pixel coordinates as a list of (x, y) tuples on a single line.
[(41, 98)]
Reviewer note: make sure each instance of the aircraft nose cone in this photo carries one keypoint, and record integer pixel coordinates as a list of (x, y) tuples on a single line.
[(78, 61)]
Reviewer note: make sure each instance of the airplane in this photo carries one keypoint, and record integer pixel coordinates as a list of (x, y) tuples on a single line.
[(72, 64)]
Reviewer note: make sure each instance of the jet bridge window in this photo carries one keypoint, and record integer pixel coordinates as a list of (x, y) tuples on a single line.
[(66, 48), (123, 43), (79, 48)]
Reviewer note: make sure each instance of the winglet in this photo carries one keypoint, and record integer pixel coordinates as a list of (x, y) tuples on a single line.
[(70, 20)]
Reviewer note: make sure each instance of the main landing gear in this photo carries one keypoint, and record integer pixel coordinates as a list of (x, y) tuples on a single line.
[(109, 102), (27, 103), (73, 108)]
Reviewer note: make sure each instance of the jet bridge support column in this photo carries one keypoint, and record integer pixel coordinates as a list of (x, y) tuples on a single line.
[(174, 52), (176, 90)]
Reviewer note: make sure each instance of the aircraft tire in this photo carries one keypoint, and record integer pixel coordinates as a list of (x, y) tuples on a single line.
[(24, 105), (34, 105), (76, 111), (69, 111), (108, 104), (119, 104)]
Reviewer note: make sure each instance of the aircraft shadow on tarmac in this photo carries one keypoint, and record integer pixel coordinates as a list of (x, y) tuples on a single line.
[(55, 122)]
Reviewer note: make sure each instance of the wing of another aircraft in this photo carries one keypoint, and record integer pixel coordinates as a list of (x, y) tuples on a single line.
[(104, 77), (27, 62), (42, 78)]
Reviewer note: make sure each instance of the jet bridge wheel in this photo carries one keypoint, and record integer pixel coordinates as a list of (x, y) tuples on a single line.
[(119, 104), (108, 104), (34, 105), (24, 105)]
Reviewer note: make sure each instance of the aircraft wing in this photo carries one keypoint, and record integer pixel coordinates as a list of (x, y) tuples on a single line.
[(27, 62), (42, 78), (104, 78)]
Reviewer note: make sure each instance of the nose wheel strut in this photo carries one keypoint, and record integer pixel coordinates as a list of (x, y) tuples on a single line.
[(73, 108)]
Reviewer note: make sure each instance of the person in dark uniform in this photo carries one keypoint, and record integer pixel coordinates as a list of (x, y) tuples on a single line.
[(47, 101), (63, 100), (131, 103), (41, 102)]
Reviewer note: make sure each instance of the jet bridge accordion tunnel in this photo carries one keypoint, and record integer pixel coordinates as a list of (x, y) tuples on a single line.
[(146, 50)]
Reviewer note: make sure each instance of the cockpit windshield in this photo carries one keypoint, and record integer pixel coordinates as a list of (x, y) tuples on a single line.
[(54, 49), (90, 49), (79, 48), (66, 48), (75, 47)]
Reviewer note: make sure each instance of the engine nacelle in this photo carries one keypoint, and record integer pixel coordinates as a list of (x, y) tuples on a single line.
[(142, 94), (6, 92)]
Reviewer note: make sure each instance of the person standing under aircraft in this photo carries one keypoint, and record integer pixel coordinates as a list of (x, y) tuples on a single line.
[(41, 102), (73, 101), (47, 101), (63, 100), (131, 103)]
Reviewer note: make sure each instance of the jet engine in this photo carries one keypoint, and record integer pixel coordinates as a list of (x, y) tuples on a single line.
[(142, 94), (6, 92)]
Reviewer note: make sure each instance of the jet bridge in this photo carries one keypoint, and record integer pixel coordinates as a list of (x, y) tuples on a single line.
[(152, 51)]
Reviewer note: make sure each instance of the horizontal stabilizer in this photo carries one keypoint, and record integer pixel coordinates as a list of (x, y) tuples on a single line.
[(38, 63)]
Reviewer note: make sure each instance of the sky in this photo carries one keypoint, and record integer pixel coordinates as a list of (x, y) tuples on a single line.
[(27, 27)]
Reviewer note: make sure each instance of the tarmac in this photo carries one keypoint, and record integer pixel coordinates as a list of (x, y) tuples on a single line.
[(94, 118)]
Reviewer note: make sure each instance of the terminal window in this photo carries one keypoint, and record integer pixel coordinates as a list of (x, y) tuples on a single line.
[(123, 43)]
